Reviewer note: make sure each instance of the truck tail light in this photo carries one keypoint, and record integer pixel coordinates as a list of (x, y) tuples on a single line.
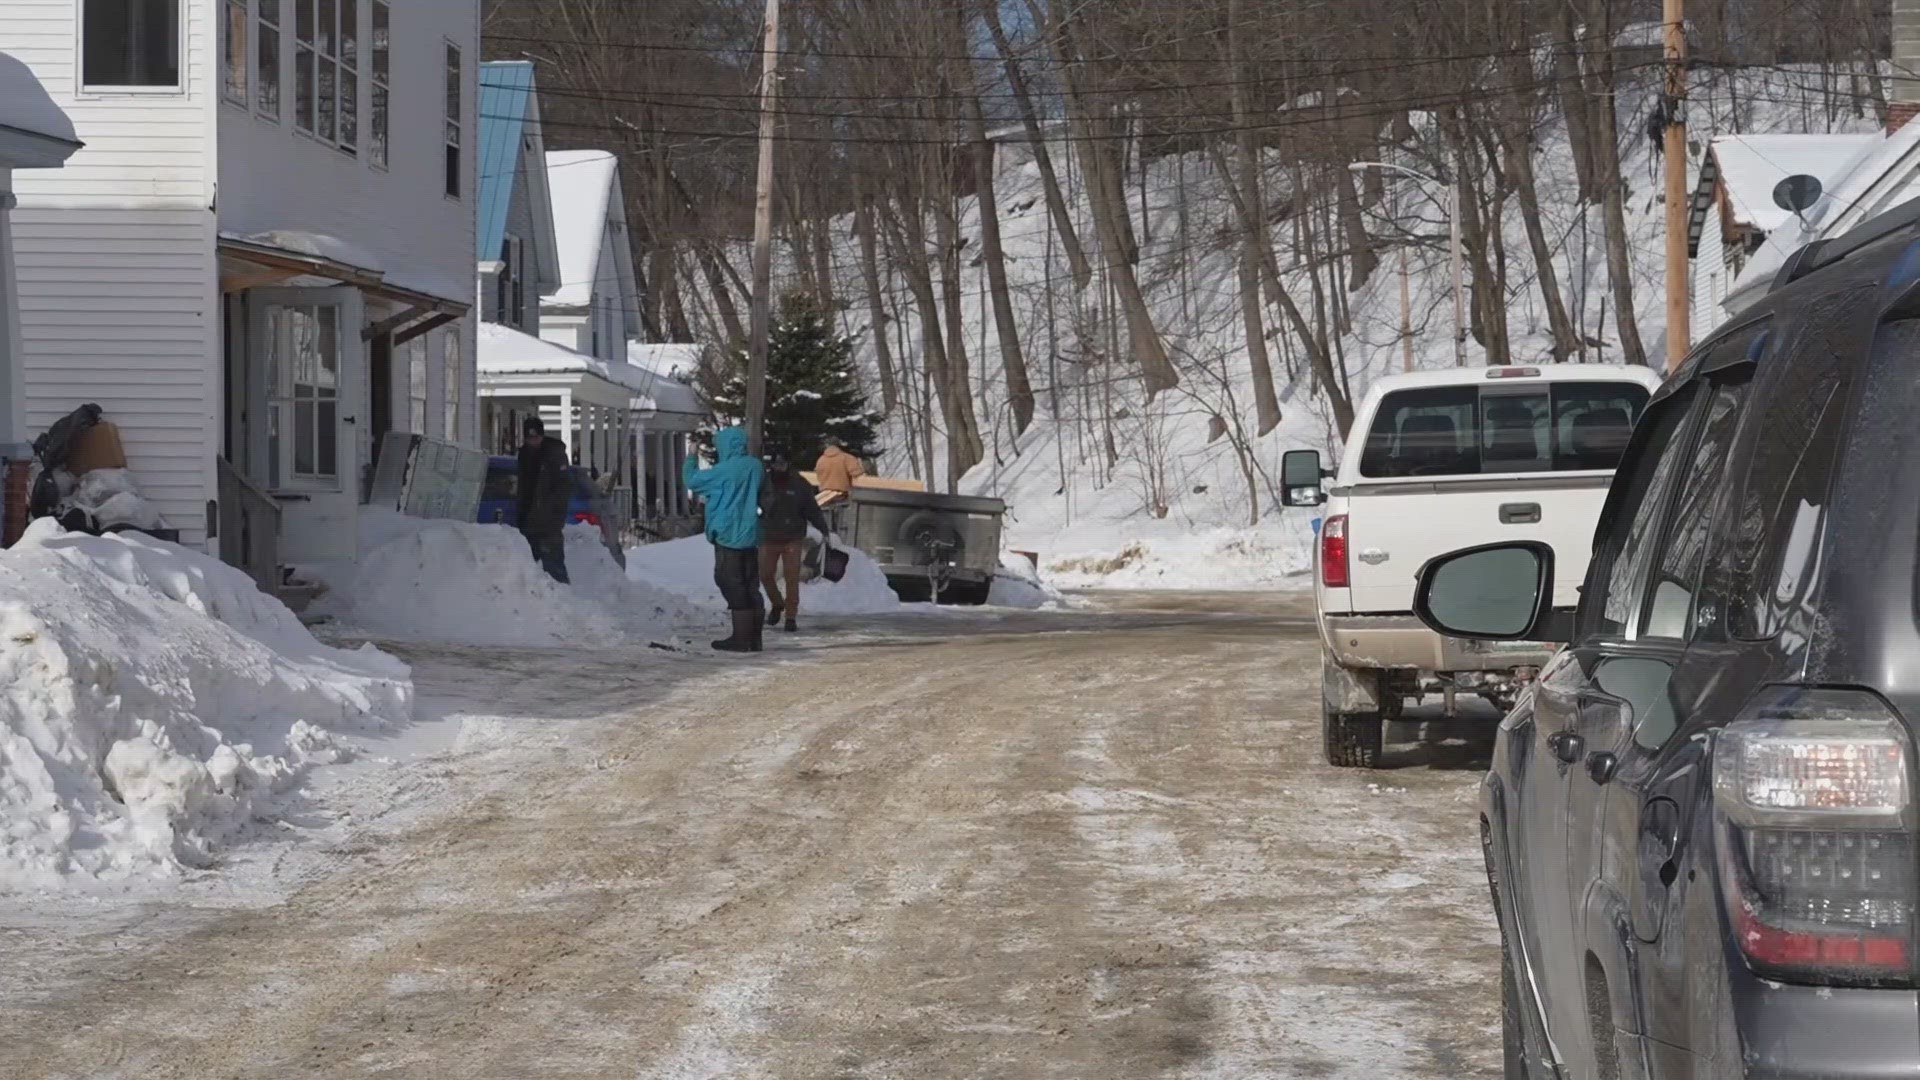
[(1815, 822), (1333, 552)]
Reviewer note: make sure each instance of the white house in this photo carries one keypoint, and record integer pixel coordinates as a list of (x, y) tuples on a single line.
[(1733, 211), (34, 134), (263, 257), (596, 309)]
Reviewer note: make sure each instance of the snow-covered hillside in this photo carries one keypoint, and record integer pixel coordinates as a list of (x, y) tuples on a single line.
[(1091, 520)]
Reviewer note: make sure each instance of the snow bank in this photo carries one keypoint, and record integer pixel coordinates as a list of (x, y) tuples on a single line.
[(457, 582), (152, 701), (1270, 557), (685, 567), (1018, 585)]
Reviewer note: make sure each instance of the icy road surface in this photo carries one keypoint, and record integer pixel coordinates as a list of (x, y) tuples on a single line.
[(1078, 844)]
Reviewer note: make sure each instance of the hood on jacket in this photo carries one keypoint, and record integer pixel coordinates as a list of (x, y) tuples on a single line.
[(730, 443)]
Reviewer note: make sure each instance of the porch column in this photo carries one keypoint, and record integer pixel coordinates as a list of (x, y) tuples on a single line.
[(13, 404), (657, 484), (569, 430), (681, 503)]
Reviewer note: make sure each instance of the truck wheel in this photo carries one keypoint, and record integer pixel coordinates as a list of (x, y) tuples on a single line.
[(1352, 739)]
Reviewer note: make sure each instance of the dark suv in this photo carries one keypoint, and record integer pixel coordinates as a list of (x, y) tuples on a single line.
[(1700, 821)]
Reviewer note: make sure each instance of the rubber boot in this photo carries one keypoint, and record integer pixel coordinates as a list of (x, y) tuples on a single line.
[(759, 626), (745, 637)]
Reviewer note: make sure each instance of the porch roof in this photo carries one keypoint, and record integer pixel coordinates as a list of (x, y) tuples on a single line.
[(513, 361), (275, 258), (668, 369), (34, 132)]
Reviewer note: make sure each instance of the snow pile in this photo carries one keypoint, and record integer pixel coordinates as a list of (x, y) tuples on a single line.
[(152, 702), (1018, 585), (111, 497), (457, 582), (685, 567), (1269, 557)]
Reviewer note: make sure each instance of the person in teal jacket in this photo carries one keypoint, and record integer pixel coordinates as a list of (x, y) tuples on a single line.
[(731, 490)]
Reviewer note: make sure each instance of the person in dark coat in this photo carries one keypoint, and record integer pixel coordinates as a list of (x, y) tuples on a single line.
[(544, 490), (788, 504)]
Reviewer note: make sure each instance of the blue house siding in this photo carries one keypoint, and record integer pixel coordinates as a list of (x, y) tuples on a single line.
[(506, 96)]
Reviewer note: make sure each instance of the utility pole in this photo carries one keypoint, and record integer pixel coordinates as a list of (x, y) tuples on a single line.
[(1679, 333), (760, 326)]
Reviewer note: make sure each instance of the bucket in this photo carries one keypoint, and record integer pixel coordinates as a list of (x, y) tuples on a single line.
[(836, 567)]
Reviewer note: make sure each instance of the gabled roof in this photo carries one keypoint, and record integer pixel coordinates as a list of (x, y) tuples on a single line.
[(512, 149), (587, 201), (1883, 175), (1752, 165)]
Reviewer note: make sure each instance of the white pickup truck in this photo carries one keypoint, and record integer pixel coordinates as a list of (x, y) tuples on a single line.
[(1438, 461)]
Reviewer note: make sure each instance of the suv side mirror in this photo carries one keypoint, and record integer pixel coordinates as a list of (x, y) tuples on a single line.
[(1300, 476), (1497, 592)]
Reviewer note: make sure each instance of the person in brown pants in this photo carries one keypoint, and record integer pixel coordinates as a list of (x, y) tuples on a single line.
[(788, 504)]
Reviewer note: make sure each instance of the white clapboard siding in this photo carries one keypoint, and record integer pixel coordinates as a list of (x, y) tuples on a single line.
[(1710, 273), (120, 308), (142, 149)]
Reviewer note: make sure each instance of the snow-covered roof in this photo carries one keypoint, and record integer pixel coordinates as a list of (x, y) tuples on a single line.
[(669, 369), (1882, 175), (1751, 166), (506, 351), (583, 184), (39, 134)]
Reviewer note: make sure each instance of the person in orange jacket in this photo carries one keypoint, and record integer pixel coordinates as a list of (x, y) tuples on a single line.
[(835, 472)]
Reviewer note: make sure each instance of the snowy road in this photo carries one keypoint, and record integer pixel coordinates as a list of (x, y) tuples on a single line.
[(1055, 845)]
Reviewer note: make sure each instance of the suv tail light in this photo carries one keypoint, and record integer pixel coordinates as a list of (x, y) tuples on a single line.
[(1816, 822), (1333, 552)]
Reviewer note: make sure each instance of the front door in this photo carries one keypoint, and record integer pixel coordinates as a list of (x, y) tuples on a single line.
[(306, 345)]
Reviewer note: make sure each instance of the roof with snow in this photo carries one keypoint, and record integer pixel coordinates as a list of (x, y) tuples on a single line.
[(1880, 177), (583, 183), (1752, 165), (506, 351), (506, 101), (34, 132), (670, 369)]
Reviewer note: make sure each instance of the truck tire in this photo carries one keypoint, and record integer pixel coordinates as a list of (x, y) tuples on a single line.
[(1352, 740)]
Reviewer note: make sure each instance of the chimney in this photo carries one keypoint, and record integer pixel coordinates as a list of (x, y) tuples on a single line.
[(1903, 103)]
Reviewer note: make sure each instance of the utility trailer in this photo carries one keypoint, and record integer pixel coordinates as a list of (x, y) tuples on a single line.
[(944, 548)]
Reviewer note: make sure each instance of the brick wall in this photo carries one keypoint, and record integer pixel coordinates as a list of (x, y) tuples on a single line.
[(1899, 113)]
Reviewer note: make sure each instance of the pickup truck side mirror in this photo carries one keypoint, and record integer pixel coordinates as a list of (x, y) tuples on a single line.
[(1496, 592), (1300, 477)]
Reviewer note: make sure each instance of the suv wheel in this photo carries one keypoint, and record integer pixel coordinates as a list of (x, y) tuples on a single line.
[(1352, 739)]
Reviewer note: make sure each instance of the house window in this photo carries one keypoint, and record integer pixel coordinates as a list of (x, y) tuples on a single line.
[(347, 55), (510, 289), (417, 385), (305, 66), (130, 44), (455, 101), (266, 92), (382, 71), (450, 357), (304, 435), (233, 31)]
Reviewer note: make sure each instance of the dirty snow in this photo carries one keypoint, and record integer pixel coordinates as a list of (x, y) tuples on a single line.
[(685, 568), (456, 582), (1271, 557), (153, 702), (1019, 585)]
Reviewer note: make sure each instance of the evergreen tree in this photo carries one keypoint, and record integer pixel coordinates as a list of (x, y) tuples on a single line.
[(813, 392)]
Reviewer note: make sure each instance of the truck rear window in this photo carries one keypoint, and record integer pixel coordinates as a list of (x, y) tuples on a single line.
[(1471, 430)]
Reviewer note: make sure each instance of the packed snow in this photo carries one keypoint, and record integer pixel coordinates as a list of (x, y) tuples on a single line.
[(456, 582), (685, 567), (153, 702), (1019, 585)]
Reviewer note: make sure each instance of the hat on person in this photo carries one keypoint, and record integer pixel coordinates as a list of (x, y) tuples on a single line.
[(533, 425)]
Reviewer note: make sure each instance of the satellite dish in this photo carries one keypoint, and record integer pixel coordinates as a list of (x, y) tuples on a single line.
[(1797, 194)]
